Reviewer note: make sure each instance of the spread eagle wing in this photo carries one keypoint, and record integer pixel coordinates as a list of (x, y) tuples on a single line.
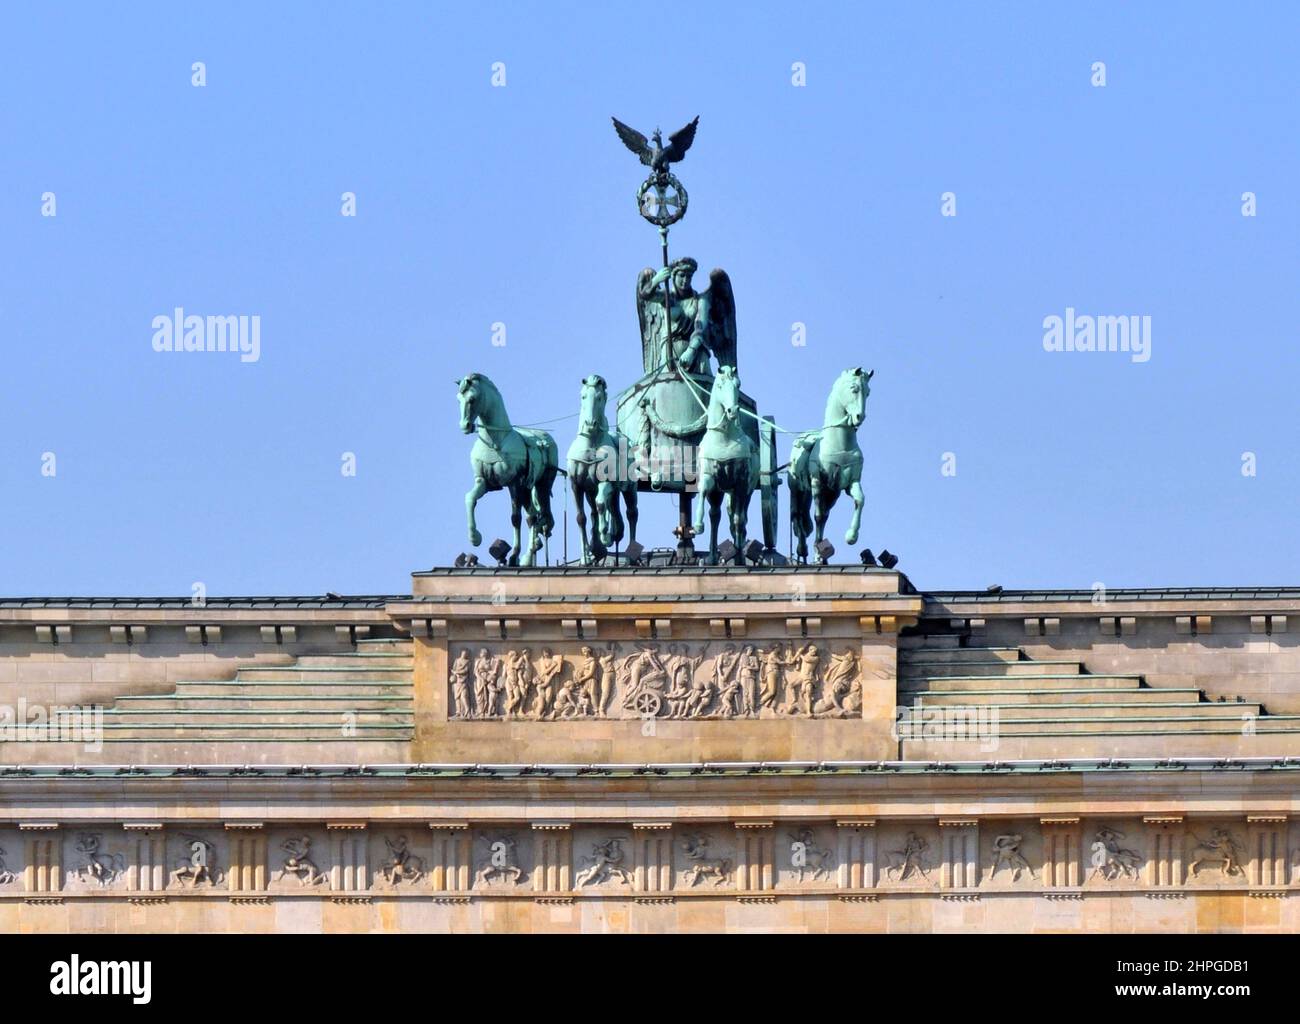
[(650, 312), (635, 141), (722, 317), (679, 142)]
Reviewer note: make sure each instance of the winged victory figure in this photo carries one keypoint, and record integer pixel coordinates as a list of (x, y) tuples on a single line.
[(703, 323)]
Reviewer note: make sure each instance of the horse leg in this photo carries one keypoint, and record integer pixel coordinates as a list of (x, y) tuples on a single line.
[(614, 518), (541, 521), (855, 492), (799, 500), (821, 511), (629, 498), (715, 517), (707, 483), (471, 499), (598, 517), (739, 511), (516, 519), (576, 485)]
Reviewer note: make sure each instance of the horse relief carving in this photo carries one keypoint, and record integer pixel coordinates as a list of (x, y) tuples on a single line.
[(701, 864), (100, 866), (671, 680), (502, 864), (606, 863), (911, 861), (400, 864), (807, 857), (1111, 861), (198, 865), (1221, 850)]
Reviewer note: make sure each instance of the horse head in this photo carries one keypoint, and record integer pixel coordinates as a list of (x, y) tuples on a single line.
[(724, 401), (470, 394), (592, 421), (848, 403)]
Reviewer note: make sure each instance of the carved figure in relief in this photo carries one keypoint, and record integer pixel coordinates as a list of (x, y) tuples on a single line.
[(299, 863), (486, 670), (837, 688), (739, 681), (774, 663), (1110, 860), (199, 866), (1221, 848), (605, 862), (681, 670), (911, 859), (549, 666), (502, 862), (696, 848), (6, 876), (646, 676), (1006, 853), (607, 674), (101, 866), (460, 669), (586, 682), (402, 865), (701, 696), (801, 680), (806, 855), (747, 669), (518, 680), (725, 682)]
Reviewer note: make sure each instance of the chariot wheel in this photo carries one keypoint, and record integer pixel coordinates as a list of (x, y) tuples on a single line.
[(647, 703)]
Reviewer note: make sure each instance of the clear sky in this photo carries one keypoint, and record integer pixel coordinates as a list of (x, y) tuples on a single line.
[(478, 204)]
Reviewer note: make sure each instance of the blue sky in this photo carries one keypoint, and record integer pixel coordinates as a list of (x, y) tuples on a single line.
[(478, 204)]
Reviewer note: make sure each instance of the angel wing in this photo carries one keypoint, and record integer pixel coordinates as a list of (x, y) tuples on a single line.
[(722, 317), (650, 313), (679, 142), (637, 142)]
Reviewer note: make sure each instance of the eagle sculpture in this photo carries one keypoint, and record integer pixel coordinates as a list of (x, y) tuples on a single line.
[(658, 156)]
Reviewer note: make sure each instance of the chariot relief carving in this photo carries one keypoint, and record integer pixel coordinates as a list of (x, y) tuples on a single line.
[(686, 680), (6, 876)]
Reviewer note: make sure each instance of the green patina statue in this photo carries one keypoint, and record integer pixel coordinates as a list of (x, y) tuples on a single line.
[(826, 462), (702, 324), (683, 428), (521, 461), (600, 473), (728, 464)]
